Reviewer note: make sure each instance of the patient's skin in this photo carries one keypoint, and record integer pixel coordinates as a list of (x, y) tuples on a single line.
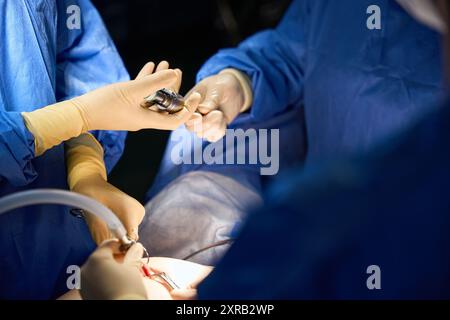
[(187, 275)]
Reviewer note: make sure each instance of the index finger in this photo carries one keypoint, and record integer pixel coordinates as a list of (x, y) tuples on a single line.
[(211, 101), (154, 82), (146, 70), (191, 105)]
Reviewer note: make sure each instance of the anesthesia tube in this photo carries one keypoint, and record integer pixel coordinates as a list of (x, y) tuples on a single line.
[(62, 197)]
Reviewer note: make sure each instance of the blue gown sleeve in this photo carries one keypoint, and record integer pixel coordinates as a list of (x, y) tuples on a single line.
[(273, 59), (16, 150), (87, 59)]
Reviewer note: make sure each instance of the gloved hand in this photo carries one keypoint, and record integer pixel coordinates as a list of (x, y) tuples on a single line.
[(86, 174), (103, 277), (226, 95), (113, 107), (129, 211), (118, 106)]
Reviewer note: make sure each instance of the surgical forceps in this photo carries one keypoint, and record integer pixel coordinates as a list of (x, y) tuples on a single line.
[(159, 276)]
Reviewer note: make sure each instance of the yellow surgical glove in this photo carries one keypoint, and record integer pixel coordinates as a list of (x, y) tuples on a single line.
[(113, 107), (226, 95), (105, 277), (86, 174)]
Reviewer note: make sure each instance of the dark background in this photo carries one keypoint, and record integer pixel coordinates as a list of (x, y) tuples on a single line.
[(185, 33)]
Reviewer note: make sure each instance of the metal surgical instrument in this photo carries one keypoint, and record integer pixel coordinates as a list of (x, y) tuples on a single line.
[(165, 100), (161, 277), (125, 241)]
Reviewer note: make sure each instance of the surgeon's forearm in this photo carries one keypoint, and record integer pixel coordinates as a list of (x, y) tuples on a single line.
[(84, 159), (54, 124)]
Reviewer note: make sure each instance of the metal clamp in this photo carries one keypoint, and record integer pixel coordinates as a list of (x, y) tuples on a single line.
[(165, 100)]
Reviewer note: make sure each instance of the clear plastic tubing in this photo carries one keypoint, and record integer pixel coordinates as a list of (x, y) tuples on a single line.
[(62, 197)]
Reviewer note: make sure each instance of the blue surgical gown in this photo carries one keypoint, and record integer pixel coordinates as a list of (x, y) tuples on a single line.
[(331, 85), (44, 61), (354, 85), (324, 227)]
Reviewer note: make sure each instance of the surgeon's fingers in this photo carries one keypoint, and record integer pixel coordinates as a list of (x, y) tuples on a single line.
[(134, 254), (146, 70), (216, 131), (163, 65), (211, 101), (213, 126), (213, 120), (177, 85), (194, 124), (128, 210), (214, 135), (149, 67), (199, 88), (168, 121), (143, 87), (191, 104), (131, 219)]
